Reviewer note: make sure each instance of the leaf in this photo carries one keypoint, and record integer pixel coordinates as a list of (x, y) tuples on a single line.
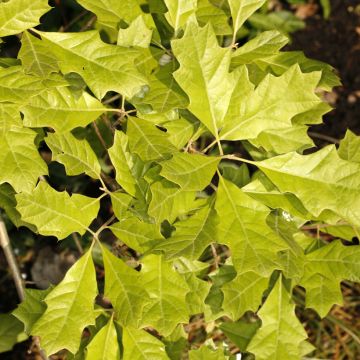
[(111, 12), (8, 204), (192, 172), (244, 293), (103, 67), (324, 269), (124, 288), (76, 155), (19, 15), (104, 345), (21, 162), (70, 308), (123, 162), (349, 148), (140, 345), (205, 353), (280, 141), (241, 10), (120, 203), (335, 181), (136, 234), (11, 332), (169, 201), (204, 74), (35, 57), (272, 105), (147, 141), (137, 34), (167, 307), (179, 131), (206, 13), (238, 175), (164, 93), (199, 290), (243, 228), (61, 110), (281, 62), (240, 332), (281, 333), (179, 12), (17, 87), (192, 235), (32, 308), (56, 213), (266, 44)]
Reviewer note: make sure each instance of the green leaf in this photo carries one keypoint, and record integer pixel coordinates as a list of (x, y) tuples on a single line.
[(111, 12), (103, 67), (244, 293), (280, 141), (272, 105), (281, 333), (164, 94), (19, 15), (266, 44), (179, 131), (8, 203), (206, 13), (21, 162), (204, 74), (76, 155), (11, 332), (168, 201), (335, 181), (241, 10), (18, 87), (349, 148), (32, 308), (167, 307), (35, 56), (147, 141), (239, 175), (282, 61), (324, 269), (124, 288), (123, 162), (61, 110), (70, 308), (120, 203), (240, 332), (140, 345), (104, 345), (199, 290), (179, 12), (136, 234), (192, 235), (205, 353), (137, 34), (56, 213), (243, 228), (192, 172)]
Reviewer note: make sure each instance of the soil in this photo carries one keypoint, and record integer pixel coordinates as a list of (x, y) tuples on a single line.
[(336, 41)]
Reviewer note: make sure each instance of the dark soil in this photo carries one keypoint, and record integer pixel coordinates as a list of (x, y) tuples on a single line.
[(337, 41)]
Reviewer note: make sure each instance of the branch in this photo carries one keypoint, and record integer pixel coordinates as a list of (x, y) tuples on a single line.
[(11, 260)]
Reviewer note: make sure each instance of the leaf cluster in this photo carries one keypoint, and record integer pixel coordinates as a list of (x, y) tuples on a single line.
[(203, 160)]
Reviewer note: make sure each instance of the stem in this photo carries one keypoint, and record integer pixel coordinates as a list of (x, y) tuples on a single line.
[(11, 260), (77, 243), (327, 138)]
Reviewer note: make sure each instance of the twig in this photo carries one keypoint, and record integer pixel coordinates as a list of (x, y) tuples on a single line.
[(77, 243), (327, 138), (11, 260), (98, 134)]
